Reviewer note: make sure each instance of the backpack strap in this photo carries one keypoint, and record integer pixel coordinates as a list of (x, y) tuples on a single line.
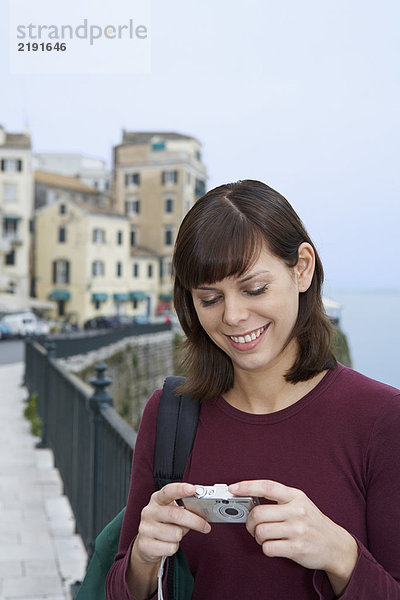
[(176, 429)]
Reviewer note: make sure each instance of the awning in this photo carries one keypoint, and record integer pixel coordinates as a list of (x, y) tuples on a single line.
[(121, 297), (99, 297), (138, 296), (165, 297), (59, 295)]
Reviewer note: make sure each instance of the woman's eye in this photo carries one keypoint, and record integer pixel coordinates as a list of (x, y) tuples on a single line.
[(209, 302), (258, 291)]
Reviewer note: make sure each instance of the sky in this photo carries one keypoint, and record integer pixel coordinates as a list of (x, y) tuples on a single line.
[(304, 96)]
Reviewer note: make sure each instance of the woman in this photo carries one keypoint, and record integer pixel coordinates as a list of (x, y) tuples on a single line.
[(280, 419)]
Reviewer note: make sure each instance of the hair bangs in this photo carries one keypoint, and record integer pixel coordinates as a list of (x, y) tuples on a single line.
[(227, 248)]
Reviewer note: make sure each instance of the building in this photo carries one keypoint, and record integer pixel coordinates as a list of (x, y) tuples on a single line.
[(50, 187), (91, 171), (83, 263), (157, 178), (16, 209)]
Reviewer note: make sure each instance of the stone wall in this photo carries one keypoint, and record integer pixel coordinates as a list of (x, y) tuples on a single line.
[(137, 366)]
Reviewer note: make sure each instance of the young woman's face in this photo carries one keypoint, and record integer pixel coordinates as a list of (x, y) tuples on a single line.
[(251, 317)]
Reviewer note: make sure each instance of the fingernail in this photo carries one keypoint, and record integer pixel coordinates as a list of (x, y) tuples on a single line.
[(207, 528), (188, 489), (234, 487)]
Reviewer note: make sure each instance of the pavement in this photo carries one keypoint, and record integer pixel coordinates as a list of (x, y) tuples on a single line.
[(40, 553)]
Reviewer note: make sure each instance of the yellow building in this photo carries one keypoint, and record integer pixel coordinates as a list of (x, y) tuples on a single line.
[(83, 263), (157, 178)]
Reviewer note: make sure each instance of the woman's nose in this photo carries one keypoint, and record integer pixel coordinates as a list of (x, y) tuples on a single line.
[(235, 311)]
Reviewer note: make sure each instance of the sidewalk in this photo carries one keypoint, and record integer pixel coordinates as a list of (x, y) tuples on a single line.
[(40, 555)]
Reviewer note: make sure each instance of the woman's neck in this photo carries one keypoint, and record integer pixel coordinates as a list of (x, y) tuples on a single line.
[(261, 396)]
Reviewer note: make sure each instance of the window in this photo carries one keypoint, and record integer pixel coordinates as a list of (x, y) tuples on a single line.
[(10, 229), (157, 146), (132, 207), (198, 155), (132, 179), (119, 238), (169, 205), (168, 236), (133, 237), (149, 271), (11, 165), (63, 209), (119, 269), (10, 192), (135, 269), (9, 258), (199, 188), (166, 267), (169, 177), (62, 235), (99, 236), (98, 269), (61, 271)]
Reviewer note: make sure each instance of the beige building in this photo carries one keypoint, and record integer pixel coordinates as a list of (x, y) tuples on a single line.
[(84, 264), (157, 178), (16, 208)]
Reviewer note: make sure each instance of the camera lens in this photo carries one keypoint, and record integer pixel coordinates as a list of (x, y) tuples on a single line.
[(232, 512)]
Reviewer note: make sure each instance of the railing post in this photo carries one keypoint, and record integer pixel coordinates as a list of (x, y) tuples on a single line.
[(99, 400), (44, 401)]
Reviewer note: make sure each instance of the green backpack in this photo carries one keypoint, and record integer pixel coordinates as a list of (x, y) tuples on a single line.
[(176, 430)]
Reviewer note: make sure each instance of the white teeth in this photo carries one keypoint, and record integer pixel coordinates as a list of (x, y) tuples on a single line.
[(249, 337)]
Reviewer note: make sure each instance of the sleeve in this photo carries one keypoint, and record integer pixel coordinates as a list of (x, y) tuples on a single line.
[(377, 572), (141, 488)]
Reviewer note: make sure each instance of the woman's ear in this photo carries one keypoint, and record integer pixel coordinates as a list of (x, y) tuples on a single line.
[(305, 266)]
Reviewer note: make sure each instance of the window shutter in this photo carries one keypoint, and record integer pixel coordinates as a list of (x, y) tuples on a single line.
[(54, 271), (19, 165), (67, 271)]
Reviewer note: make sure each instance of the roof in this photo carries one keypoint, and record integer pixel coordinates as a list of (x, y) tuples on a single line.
[(63, 181), (145, 137), (17, 140)]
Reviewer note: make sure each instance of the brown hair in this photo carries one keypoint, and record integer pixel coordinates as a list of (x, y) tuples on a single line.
[(220, 237)]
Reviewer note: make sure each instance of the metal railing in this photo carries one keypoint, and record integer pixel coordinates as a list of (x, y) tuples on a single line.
[(92, 444)]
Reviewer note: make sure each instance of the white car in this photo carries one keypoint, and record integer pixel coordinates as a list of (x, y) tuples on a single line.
[(24, 323)]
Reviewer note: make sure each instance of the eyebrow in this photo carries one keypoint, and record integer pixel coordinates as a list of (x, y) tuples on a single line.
[(243, 280)]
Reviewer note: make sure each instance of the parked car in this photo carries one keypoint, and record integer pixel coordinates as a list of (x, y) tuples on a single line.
[(23, 324), (4, 330)]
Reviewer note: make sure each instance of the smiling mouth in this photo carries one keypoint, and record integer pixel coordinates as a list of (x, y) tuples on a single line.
[(248, 337)]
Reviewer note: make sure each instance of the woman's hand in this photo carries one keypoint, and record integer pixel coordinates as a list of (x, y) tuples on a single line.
[(162, 526), (163, 523), (295, 528)]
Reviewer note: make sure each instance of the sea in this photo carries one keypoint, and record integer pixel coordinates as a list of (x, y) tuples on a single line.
[(370, 318)]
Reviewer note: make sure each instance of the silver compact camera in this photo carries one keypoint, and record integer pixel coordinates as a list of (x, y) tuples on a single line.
[(217, 505)]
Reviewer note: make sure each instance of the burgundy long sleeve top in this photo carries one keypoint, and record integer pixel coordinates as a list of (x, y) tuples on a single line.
[(340, 444)]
